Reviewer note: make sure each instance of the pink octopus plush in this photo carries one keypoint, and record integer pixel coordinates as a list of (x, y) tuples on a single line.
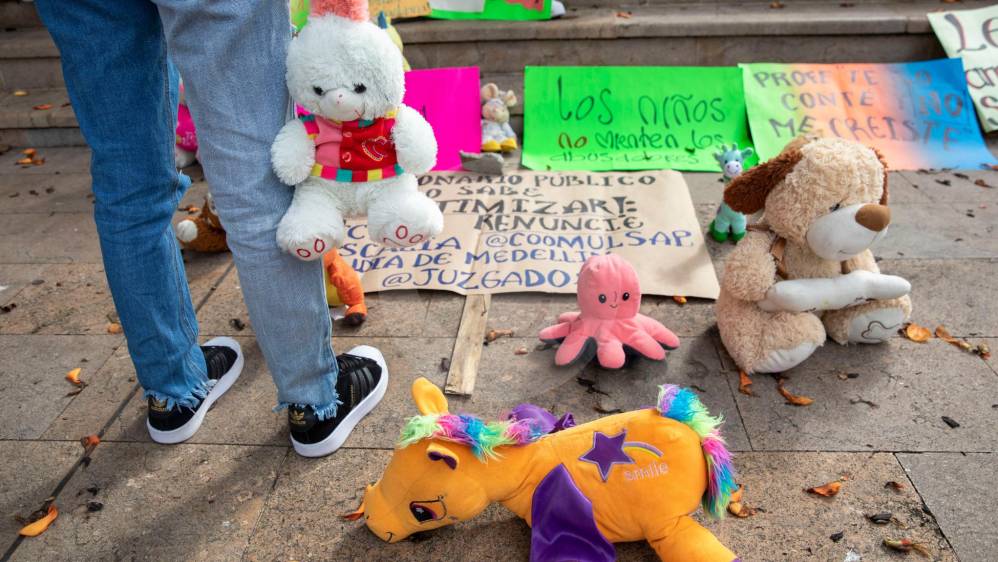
[(608, 325)]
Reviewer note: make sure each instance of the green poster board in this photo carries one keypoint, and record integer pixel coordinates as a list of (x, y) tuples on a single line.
[(631, 118), (494, 10)]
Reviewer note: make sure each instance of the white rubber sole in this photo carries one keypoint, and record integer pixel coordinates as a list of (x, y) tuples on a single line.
[(186, 431), (339, 435)]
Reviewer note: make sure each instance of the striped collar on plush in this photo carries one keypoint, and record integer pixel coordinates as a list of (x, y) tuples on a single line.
[(356, 123), (483, 437)]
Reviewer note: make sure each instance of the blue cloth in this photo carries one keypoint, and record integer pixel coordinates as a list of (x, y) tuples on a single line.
[(231, 55)]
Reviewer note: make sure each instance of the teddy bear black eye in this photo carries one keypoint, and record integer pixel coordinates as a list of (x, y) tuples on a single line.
[(602, 298), (318, 91), (626, 296), (359, 89), (835, 207)]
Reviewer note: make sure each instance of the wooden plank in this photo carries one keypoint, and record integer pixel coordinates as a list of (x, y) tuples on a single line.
[(468, 345)]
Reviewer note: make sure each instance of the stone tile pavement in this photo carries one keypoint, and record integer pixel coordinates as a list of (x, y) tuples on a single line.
[(236, 491)]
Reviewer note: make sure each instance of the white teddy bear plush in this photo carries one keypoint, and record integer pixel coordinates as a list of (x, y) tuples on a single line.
[(360, 149)]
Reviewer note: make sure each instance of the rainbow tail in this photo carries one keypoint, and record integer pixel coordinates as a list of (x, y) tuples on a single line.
[(682, 404)]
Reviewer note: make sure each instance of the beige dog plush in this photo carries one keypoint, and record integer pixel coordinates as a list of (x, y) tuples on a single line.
[(805, 272)]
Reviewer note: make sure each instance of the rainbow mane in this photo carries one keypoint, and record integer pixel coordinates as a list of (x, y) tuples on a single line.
[(682, 404), (483, 437)]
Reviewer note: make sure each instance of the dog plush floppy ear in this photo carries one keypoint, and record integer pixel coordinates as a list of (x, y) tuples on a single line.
[(747, 193), (883, 162)]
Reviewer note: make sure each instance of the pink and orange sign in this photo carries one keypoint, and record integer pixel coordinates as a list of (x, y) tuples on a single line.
[(919, 115), (449, 99)]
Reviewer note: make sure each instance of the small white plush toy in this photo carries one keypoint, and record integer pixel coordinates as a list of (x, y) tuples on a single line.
[(359, 150), (497, 135)]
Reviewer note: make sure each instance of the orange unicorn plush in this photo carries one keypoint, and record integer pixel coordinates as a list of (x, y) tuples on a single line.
[(632, 476)]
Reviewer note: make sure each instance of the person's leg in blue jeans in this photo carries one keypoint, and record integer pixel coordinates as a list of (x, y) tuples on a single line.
[(114, 63), (115, 66), (231, 57)]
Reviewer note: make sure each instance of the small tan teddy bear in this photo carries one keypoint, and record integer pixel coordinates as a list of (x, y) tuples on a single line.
[(203, 233), (805, 272)]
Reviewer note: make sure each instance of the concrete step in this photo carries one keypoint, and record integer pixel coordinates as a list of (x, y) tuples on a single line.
[(660, 32), (698, 33), (23, 125), (702, 34), (16, 14), (625, 4), (28, 59)]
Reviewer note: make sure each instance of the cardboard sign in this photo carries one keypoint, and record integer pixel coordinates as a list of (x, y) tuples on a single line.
[(972, 35), (397, 9), (491, 9), (532, 232), (631, 118), (919, 115), (448, 99)]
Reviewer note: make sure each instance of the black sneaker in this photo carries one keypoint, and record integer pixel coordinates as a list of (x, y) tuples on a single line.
[(361, 384), (224, 359)]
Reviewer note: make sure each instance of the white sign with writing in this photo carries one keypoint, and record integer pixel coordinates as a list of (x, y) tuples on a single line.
[(532, 231), (972, 35)]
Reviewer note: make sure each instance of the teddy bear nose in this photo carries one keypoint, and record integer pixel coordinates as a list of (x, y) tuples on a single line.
[(874, 217)]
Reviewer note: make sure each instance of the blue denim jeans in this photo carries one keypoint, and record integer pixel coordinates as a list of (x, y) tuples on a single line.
[(231, 56)]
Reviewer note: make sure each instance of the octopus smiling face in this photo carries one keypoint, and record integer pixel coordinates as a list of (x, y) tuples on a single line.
[(608, 288)]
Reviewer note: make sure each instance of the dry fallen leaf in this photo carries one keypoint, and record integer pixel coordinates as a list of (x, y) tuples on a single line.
[(906, 545), (20, 93), (917, 333), (826, 490), (737, 508), (679, 299), (624, 15), (744, 382), (521, 351), (29, 152), (493, 335), (794, 399), (113, 328), (982, 183), (777, 5), (74, 377), (881, 518), (39, 526), (43, 107), (740, 510), (894, 485), (24, 161), (943, 334)]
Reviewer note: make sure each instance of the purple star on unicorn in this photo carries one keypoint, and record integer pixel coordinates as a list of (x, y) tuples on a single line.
[(606, 452)]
